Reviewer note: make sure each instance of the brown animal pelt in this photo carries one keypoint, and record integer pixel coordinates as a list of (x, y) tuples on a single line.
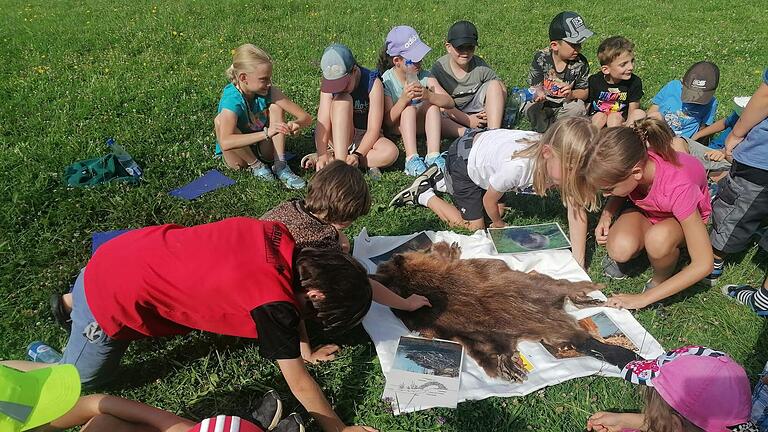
[(489, 308)]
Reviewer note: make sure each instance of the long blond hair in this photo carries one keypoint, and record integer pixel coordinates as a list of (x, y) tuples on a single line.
[(618, 149), (245, 58), (569, 139)]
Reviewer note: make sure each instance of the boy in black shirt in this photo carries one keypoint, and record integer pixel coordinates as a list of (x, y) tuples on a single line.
[(560, 72), (615, 92)]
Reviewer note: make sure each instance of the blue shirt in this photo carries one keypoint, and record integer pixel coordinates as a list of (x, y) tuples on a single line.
[(360, 100), (233, 100), (753, 151), (684, 118), (718, 141)]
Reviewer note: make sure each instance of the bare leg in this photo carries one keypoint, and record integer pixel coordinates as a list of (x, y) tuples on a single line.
[(451, 129), (599, 119), (449, 214), (275, 151), (495, 96), (383, 154), (239, 157), (662, 243), (341, 125), (66, 299), (625, 238), (614, 119), (680, 144), (432, 126), (408, 130), (635, 115)]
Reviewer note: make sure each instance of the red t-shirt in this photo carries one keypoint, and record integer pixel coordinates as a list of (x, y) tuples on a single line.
[(168, 279)]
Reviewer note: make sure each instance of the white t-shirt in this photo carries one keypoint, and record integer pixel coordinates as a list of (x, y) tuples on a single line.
[(491, 163)]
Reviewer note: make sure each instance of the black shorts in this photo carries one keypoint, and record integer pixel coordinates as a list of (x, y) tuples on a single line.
[(467, 196)]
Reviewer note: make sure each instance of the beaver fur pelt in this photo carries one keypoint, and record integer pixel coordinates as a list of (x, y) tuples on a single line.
[(489, 308)]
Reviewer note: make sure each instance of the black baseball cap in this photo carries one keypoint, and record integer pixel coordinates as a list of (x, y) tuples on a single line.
[(570, 27), (700, 83), (462, 33)]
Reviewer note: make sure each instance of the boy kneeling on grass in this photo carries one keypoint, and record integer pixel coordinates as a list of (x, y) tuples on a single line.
[(237, 277)]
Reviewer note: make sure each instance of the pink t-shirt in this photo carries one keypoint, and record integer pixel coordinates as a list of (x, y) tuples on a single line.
[(677, 190)]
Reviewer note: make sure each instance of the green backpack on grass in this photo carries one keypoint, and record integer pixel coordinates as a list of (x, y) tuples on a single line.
[(95, 171)]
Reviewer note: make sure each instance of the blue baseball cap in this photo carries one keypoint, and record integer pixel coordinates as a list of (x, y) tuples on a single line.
[(336, 64)]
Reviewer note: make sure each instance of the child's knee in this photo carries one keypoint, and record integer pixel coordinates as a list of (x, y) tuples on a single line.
[(622, 248), (496, 87), (680, 145), (660, 241)]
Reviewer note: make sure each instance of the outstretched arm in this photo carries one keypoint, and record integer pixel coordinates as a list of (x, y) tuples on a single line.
[(387, 297), (577, 229)]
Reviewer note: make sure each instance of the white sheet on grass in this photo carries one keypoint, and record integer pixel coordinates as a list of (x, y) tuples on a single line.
[(385, 328)]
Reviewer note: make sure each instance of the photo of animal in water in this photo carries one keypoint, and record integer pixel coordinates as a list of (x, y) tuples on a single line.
[(428, 356), (488, 308), (419, 242), (602, 328), (529, 238)]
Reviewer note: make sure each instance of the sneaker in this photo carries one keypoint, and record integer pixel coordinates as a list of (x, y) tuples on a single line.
[(409, 196), (438, 160), (267, 414), (60, 314), (717, 271), (612, 269), (415, 166), (289, 179), (374, 173), (292, 423), (262, 172)]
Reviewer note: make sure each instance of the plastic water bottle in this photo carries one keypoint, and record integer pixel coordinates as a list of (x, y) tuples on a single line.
[(411, 76), (516, 101), (125, 159), (40, 352)]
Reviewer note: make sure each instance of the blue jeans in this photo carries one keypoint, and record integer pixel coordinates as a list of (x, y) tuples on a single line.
[(95, 355)]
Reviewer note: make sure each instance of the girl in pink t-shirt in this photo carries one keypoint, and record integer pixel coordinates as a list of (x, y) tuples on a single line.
[(671, 206)]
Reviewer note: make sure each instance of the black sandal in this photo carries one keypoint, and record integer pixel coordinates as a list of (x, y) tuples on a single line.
[(60, 315)]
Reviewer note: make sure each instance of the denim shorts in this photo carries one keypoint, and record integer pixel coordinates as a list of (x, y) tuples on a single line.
[(95, 355)]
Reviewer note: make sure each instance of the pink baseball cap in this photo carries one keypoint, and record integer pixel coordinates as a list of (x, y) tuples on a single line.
[(403, 41), (705, 386), (224, 423)]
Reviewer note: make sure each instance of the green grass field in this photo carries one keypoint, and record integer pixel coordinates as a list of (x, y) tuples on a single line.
[(150, 74)]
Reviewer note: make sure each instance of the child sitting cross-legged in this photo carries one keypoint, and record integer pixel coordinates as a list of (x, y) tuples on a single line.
[(483, 165), (668, 209), (615, 91), (336, 196)]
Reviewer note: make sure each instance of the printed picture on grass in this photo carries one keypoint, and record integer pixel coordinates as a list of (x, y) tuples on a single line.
[(602, 328), (419, 242), (428, 356), (425, 374), (519, 239)]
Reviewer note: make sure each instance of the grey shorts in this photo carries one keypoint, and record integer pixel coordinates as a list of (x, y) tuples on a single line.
[(95, 355), (477, 103), (697, 150), (739, 208)]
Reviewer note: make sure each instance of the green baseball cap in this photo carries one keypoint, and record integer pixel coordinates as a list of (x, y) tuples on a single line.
[(34, 398)]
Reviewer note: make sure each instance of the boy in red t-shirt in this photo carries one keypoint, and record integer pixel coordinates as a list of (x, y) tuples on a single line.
[(237, 277)]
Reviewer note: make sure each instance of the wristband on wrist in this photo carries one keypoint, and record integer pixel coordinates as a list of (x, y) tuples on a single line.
[(358, 154), (266, 132)]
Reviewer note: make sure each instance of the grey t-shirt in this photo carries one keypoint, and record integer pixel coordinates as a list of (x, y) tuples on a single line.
[(462, 90)]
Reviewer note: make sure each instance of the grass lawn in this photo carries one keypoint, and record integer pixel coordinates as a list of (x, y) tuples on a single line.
[(150, 74)]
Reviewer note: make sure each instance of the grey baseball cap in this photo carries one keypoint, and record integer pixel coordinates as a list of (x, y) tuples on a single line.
[(570, 27), (337, 64)]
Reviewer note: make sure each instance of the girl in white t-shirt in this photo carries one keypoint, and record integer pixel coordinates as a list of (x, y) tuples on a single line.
[(411, 108), (482, 165)]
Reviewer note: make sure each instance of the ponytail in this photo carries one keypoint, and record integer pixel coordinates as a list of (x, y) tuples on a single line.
[(658, 136), (385, 60)]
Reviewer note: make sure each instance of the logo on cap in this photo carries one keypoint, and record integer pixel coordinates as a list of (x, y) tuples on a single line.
[(699, 83), (411, 40)]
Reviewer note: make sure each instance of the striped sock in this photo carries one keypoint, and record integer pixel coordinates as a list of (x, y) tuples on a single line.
[(756, 299), (717, 268)]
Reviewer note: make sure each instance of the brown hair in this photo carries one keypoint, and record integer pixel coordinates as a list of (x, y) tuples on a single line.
[(245, 58), (343, 282), (569, 139), (384, 63), (619, 149), (660, 417), (338, 194), (612, 48)]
